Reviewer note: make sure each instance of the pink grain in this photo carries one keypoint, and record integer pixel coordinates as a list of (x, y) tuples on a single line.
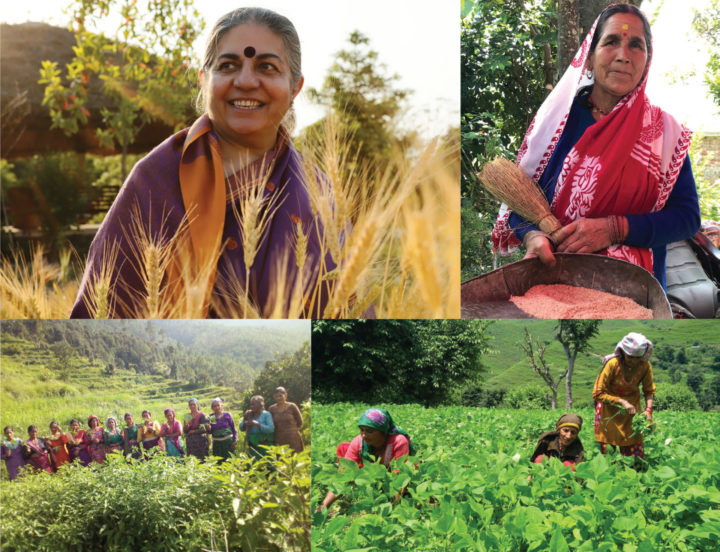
[(563, 301)]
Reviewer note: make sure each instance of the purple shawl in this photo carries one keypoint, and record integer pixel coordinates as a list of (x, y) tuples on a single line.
[(153, 187)]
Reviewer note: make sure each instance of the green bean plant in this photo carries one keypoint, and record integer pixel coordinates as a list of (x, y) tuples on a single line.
[(471, 486)]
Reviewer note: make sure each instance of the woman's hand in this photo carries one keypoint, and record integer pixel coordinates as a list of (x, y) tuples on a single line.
[(585, 235), (538, 245), (234, 444), (629, 407)]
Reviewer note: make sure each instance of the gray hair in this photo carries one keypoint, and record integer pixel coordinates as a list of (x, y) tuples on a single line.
[(257, 398), (278, 24)]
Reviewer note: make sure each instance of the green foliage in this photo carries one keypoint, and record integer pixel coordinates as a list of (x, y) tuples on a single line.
[(675, 397), (503, 69), (291, 371), (707, 24), (162, 504), (364, 99), (141, 68), (708, 191), (528, 396), (61, 186), (506, 366), (471, 486), (395, 360)]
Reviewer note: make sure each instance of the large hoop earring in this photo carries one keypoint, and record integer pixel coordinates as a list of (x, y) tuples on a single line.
[(589, 74)]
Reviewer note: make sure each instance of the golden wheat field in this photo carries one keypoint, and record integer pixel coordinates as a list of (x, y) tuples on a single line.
[(394, 235)]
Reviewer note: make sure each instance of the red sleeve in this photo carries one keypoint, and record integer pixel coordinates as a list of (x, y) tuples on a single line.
[(400, 446), (354, 451)]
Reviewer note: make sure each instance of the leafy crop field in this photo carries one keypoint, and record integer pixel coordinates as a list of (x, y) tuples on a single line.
[(474, 488), (162, 504)]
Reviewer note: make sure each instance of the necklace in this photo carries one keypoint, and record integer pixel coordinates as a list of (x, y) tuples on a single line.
[(596, 109)]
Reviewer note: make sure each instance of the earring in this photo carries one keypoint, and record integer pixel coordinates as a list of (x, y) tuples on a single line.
[(589, 74)]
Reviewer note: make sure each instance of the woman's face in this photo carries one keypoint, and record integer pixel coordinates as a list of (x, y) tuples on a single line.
[(111, 424), (170, 417), (567, 435), (94, 423), (373, 437), (280, 397), (257, 407), (632, 362), (54, 428), (74, 426), (192, 405), (216, 408), (248, 86), (129, 421), (620, 56), (9, 433), (32, 433)]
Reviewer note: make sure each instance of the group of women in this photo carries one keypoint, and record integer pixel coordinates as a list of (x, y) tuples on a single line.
[(617, 396), (278, 426)]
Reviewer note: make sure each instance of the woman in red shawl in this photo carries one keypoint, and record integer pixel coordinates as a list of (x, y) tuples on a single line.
[(614, 168)]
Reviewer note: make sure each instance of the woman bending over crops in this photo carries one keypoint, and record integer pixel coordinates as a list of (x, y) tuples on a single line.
[(563, 443), (78, 444), (131, 441), (58, 441), (223, 430), (380, 440), (149, 433), (208, 222), (12, 452), (196, 427), (171, 431), (619, 178), (37, 452), (617, 395), (258, 426), (96, 438), (287, 420)]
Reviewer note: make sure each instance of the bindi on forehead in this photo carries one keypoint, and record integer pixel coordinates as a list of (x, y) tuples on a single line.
[(249, 52)]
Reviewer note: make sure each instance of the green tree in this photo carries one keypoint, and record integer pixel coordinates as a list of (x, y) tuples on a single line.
[(291, 371), (142, 68), (694, 380), (64, 358), (707, 24), (507, 52), (574, 336), (363, 98), (402, 361)]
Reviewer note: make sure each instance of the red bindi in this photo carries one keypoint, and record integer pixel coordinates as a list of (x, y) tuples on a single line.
[(249, 51)]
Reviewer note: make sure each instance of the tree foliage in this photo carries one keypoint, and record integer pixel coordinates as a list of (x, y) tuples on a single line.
[(291, 371), (365, 101), (707, 24), (574, 336), (143, 68), (377, 361), (506, 49)]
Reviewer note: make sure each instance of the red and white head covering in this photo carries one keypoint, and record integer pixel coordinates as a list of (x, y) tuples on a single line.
[(626, 163)]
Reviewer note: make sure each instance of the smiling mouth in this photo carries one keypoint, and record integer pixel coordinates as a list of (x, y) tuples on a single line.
[(246, 104)]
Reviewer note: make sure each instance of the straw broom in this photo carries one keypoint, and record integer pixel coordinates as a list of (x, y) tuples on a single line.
[(509, 184)]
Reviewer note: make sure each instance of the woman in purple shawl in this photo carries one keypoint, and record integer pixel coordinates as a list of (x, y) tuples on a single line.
[(12, 452), (37, 452), (224, 432), (193, 195)]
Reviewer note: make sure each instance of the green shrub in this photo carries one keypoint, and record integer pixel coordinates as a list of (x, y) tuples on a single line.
[(675, 397), (528, 396)]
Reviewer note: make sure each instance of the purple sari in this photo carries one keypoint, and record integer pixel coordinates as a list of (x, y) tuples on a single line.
[(15, 460), (153, 189)]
